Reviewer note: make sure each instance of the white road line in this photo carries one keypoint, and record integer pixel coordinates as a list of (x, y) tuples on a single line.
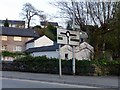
[(53, 83)]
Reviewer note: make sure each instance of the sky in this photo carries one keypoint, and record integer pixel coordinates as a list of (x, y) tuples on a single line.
[(11, 9)]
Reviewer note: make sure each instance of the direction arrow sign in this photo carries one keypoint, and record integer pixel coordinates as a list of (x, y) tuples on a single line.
[(68, 37)]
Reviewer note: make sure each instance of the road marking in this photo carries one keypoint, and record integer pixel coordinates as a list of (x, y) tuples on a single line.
[(52, 83)]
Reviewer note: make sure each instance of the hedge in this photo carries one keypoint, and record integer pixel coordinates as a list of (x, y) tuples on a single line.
[(51, 65)]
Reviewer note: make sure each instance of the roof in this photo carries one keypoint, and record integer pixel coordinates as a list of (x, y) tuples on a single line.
[(85, 44), (13, 21), (43, 49), (10, 31), (32, 40), (51, 23)]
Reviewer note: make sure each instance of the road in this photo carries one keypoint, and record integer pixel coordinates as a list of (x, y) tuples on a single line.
[(22, 83)]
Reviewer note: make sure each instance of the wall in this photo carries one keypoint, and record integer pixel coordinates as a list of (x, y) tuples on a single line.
[(11, 43), (49, 54), (29, 45), (80, 54), (83, 55), (43, 41), (66, 50)]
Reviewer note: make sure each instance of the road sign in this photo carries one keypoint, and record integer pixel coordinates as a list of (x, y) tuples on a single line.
[(68, 37)]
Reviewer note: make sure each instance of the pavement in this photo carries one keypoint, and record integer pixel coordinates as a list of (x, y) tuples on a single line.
[(96, 81)]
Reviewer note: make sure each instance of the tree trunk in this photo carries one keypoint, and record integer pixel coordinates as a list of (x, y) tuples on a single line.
[(28, 23)]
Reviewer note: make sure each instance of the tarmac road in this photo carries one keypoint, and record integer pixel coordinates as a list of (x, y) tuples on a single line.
[(22, 83), (54, 81)]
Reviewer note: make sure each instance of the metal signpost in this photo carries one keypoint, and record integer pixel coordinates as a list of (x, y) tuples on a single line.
[(60, 69), (73, 5), (67, 37)]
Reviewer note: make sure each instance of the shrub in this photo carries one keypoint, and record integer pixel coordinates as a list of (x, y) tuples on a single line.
[(42, 64)]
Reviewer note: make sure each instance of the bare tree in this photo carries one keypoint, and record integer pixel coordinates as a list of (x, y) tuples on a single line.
[(29, 11), (95, 13), (90, 13), (101, 14)]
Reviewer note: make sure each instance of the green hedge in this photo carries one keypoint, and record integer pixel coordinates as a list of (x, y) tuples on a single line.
[(37, 64), (50, 65)]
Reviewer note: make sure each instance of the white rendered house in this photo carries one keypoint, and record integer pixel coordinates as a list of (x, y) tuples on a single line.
[(43, 46), (82, 52), (39, 42)]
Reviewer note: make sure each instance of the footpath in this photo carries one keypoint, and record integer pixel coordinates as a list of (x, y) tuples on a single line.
[(97, 81)]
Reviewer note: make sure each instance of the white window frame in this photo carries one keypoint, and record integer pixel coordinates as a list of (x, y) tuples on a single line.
[(4, 47), (4, 38), (17, 48), (17, 38)]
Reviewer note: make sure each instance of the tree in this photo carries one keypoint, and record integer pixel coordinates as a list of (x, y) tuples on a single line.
[(97, 13), (113, 37), (12, 54), (6, 24), (30, 11), (69, 25), (37, 26), (53, 30), (91, 13), (39, 30), (50, 31)]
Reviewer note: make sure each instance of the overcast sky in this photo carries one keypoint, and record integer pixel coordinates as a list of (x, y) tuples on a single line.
[(11, 9)]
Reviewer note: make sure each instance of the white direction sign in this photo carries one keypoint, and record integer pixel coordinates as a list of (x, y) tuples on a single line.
[(68, 37)]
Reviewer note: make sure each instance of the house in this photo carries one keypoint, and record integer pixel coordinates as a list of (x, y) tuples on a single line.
[(14, 39), (14, 23), (45, 23), (49, 51), (39, 42), (82, 52)]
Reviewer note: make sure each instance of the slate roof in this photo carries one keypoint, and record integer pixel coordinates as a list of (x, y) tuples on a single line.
[(10, 31), (43, 49), (51, 23), (32, 40), (13, 21)]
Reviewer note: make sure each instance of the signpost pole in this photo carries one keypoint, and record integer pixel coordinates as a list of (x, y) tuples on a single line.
[(73, 60), (73, 17), (73, 63), (60, 70)]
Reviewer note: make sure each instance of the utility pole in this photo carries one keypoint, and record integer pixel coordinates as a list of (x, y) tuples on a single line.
[(73, 62)]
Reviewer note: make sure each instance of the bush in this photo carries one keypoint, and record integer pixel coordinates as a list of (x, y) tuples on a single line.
[(83, 67), (43, 64), (37, 64), (108, 67)]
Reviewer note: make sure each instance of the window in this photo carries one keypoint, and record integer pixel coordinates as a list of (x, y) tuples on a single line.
[(4, 38), (17, 48), (4, 47), (17, 38), (66, 56)]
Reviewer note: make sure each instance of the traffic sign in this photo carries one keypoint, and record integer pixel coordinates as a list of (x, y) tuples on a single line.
[(68, 37)]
